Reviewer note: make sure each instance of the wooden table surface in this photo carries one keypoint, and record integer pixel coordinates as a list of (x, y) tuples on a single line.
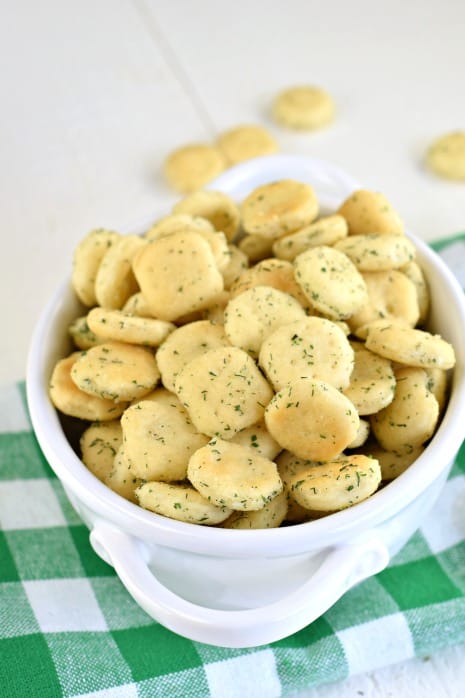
[(94, 95)]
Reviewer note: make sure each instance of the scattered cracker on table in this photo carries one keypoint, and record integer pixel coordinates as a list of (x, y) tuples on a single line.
[(192, 166), (446, 155), (246, 142), (304, 107)]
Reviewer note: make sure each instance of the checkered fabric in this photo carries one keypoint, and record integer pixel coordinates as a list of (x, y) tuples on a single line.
[(69, 628)]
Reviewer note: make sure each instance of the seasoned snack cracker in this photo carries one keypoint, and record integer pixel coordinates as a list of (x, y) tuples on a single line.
[(277, 273), (69, 399), (289, 466), (324, 231), (121, 479), (337, 484), (274, 209), (192, 166), (410, 346), (312, 347), (377, 251), (216, 207), (256, 247), (178, 275), (258, 439), (446, 155), (82, 335), (362, 434), (411, 418), (370, 212), (393, 463), (254, 314), (238, 262), (312, 419), (184, 344), (86, 261), (246, 142), (159, 437), (137, 305), (180, 501), (223, 391), (391, 295), (304, 107), (122, 327), (183, 223), (271, 516), (116, 371), (99, 444), (115, 281), (372, 381), (331, 282), (178, 222), (438, 384), (228, 474), (415, 274)]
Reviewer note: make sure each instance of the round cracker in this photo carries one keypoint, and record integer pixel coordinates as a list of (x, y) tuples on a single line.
[(255, 247), (446, 155), (223, 391), (254, 314), (178, 222), (121, 479), (99, 444), (216, 207), (228, 474), (415, 274), (337, 484), (121, 327), (330, 281), (86, 261), (277, 273), (411, 418), (370, 212), (304, 107), (410, 346), (312, 419), (184, 344), (271, 516), (313, 348), (180, 501), (159, 437), (82, 335), (178, 275), (372, 381), (245, 142), (238, 262), (289, 466), (274, 209), (258, 439), (116, 371), (70, 400), (393, 464), (391, 295), (115, 281), (325, 231), (377, 251), (192, 166)]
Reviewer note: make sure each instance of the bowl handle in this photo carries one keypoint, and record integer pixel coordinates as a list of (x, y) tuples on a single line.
[(343, 567)]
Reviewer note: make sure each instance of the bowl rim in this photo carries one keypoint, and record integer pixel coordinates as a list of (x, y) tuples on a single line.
[(108, 505)]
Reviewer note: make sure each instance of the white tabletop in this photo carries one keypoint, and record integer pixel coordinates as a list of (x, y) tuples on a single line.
[(95, 94)]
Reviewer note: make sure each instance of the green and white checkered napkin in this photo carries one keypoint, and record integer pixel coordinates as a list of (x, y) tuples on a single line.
[(69, 628)]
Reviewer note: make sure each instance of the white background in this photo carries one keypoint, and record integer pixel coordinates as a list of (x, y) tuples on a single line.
[(95, 93)]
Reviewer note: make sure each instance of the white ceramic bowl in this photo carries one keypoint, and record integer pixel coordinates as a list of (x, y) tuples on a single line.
[(245, 588)]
